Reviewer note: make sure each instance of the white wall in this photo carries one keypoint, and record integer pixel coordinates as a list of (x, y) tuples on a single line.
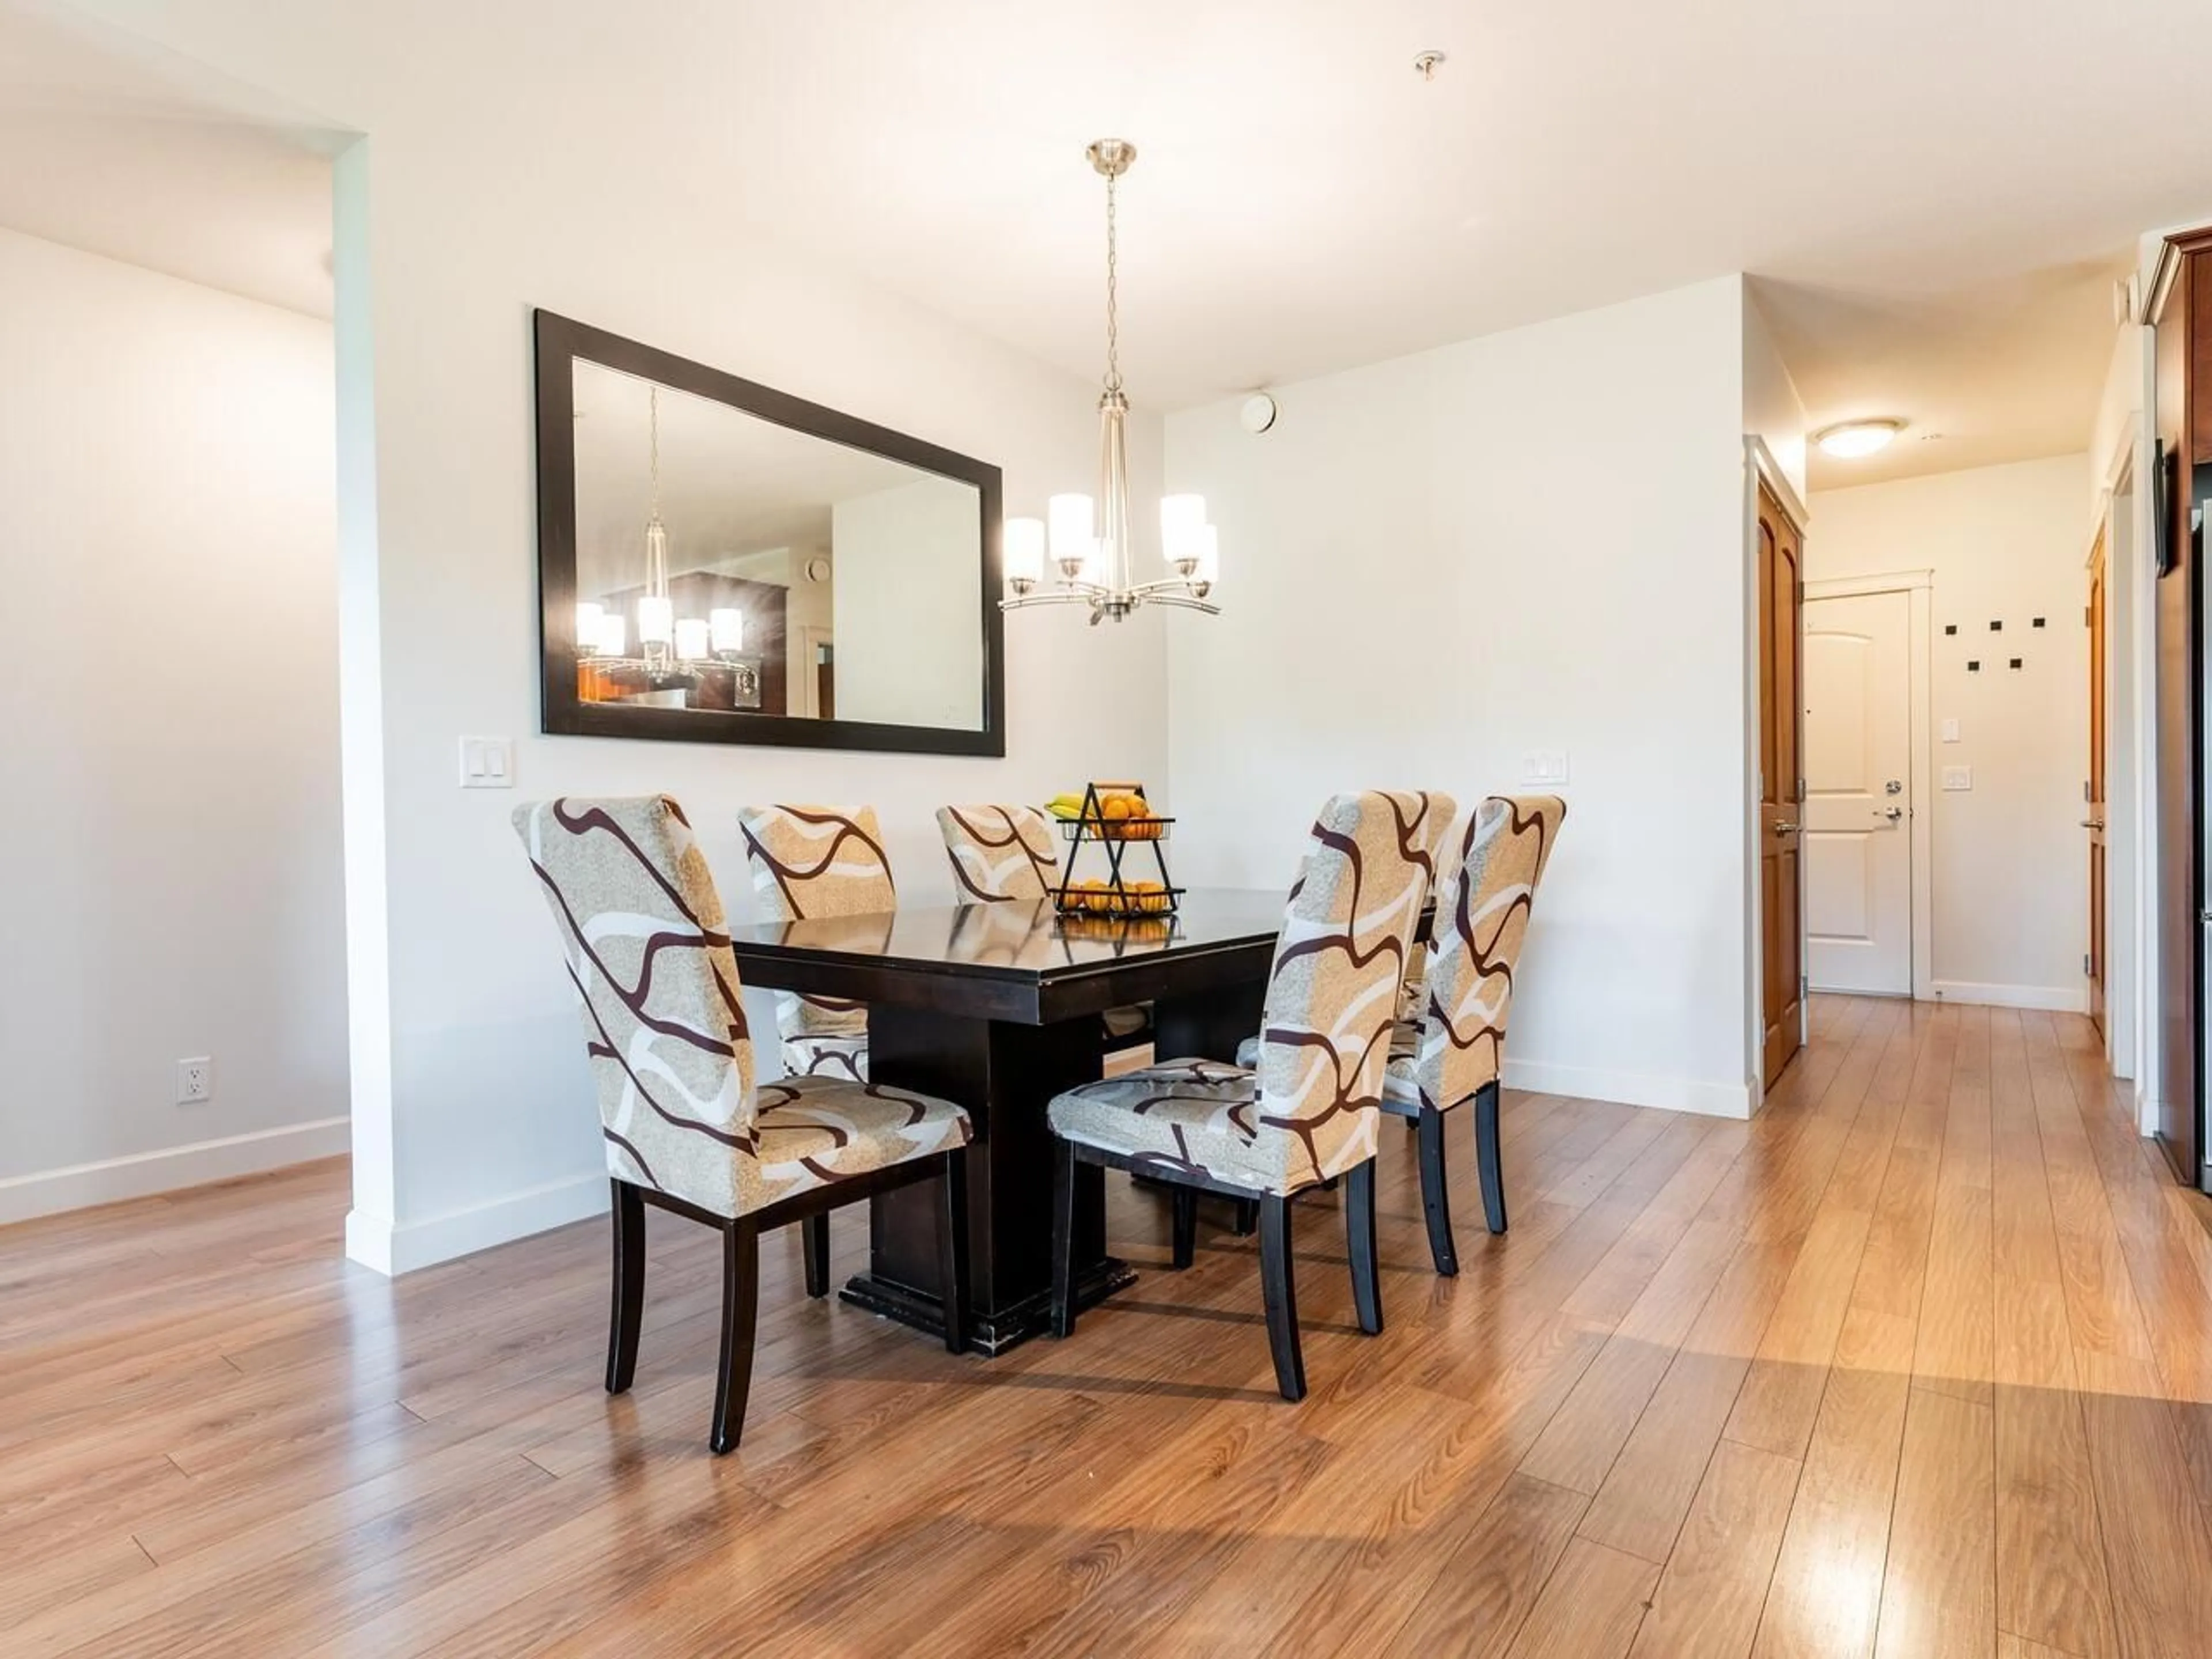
[(167, 531), (2004, 543), (909, 639), (1772, 410), (488, 1113), (1431, 566), (491, 181)]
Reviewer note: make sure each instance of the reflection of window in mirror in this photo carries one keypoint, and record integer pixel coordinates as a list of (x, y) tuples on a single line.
[(726, 563)]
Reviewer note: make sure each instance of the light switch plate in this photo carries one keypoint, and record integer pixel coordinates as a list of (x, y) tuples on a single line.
[(1958, 777), (1544, 766), (1950, 731), (486, 763)]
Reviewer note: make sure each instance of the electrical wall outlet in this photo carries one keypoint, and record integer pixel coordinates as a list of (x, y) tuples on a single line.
[(486, 763), (194, 1080)]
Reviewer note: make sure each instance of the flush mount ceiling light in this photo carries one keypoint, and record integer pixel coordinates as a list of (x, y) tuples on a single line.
[(1851, 441), (1090, 540)]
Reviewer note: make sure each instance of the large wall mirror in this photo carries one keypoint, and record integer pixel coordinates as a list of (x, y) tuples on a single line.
[(721, 562)]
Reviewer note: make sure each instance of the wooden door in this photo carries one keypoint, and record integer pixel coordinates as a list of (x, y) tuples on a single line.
[(1857, 817), (2093, 791), (1781, 930)]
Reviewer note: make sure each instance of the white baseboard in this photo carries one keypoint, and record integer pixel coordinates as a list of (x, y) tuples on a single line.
[(1671, 1094), (392, 1249), (143, 1175), (2050, 998)]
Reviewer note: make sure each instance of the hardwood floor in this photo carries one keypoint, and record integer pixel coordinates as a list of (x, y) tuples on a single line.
[(1917, 1362)]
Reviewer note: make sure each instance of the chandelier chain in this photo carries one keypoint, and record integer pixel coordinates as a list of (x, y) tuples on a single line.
[(1113, 296), (652, 398)]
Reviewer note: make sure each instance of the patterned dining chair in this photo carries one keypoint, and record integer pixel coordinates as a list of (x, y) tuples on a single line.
[(1452, 1054), (1000, 852), (1424, 823), (686, 1127), (1307, 1112), (1011, 853), (810, 862)]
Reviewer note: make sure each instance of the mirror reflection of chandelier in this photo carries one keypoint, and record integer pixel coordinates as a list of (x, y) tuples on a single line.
[(665, 640), (1088, 542)]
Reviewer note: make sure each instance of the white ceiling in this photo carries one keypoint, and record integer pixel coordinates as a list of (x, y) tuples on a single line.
[(120, 148), (1932, 191)]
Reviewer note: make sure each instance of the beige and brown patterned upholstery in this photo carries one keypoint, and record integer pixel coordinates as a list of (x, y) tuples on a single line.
[(1453, 1049), (644, 937), (1307, 1110), (1433, 832), (1424, 830), (1000, 852), (810, 862)]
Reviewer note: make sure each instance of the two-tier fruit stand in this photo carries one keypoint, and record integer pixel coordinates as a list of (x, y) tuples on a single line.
[(1121, 895)]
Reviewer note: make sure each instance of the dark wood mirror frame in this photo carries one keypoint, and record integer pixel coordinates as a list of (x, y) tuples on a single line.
[(560, 342)]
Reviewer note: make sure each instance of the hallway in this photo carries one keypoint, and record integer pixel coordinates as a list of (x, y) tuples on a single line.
[(1918, 1362)]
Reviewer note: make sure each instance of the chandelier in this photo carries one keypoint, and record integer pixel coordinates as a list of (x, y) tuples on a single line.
[(669, 648), (1090, 541)]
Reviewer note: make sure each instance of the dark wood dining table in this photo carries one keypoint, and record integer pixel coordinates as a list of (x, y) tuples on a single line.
[(997, 1006)]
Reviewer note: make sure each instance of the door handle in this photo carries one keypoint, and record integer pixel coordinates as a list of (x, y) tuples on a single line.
[(1785, 826), (1894, 814), (2092, 823)]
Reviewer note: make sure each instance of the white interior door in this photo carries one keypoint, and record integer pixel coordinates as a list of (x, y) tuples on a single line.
[(1858, 802)]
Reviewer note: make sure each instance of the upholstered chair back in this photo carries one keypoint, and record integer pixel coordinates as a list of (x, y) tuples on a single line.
[(1332, 993), (999, 852), (645, 940), (815, 862), (1427, 834), (1424, 819), (1481, 918)]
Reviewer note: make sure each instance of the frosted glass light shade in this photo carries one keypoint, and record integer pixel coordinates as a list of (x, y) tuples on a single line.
[(727, 626), (589, 614), (1206, 556), (1024, 549), (656, 621), (691, 638), (1854, 440), (1182, 519), (1074, 529), (614, 635)]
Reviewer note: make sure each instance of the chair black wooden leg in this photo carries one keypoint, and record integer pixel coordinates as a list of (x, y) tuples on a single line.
[(1279, 1291), (1063, 1239), (1487, 1155), (1247, 1219), (1183, 1205), (628, 1286), (814, 1244), (1360, 1236), (740, 1309), (952, 1251), (1436, 1192)]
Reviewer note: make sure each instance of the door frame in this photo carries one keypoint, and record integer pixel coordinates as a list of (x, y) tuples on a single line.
[(2130, 657), (1761, 468), (1919, 588)]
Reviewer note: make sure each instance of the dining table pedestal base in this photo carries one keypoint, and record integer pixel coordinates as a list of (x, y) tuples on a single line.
[(1006, 1073)]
